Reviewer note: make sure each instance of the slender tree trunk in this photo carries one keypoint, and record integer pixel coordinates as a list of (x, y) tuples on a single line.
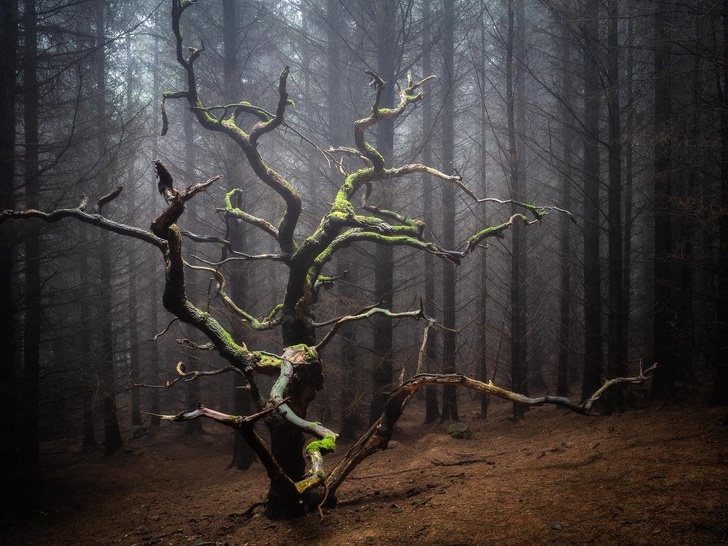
[(112, 434), (628, 187), (720, 385), (663, 385), (29, 451), (351, 389), (483, 266), (616, 362), (133, 285), (592, 270), (432, 409), (386, 17), (565, 296), (515, 49), (449, 344), (10, 465), (153, 366), (192, 388), (243, 455), (89, 366)]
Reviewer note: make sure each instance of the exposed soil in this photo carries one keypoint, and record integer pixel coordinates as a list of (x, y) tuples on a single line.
[(658, 475)]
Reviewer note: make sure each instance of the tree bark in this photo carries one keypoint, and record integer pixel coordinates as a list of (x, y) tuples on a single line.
[(10, 465), (243, 455), (720, 350), (29, 451), (616, 359), (592, 267), (112, 433), (432, 407), (447, 129), (663, 386), (386, 17), (132, 255), (515, 110), (565, 296), (153, 268), (192, 388), (482, 301)]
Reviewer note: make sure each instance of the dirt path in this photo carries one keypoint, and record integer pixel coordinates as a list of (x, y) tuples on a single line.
[(653, 476)]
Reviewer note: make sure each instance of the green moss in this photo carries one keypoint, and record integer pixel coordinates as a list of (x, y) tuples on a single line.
[(325, 445), (460, 431), (342, 205), (267, 360)]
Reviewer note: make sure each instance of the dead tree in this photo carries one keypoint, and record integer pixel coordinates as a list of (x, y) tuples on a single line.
[(298, 479)]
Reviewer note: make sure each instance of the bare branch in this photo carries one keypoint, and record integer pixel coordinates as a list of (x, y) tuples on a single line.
[(92, 219), (233, 421), (420, 313), (196, 346), (378, 436), (221, 283), (262, 128), (332, 321), (108, 198), (166, 329), (241, 257), (423, 346)]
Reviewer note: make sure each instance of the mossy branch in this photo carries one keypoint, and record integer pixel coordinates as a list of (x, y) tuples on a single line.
[(326, 442), (254, 323), (262, 128), (246, 142), (407, 96), (232, 211)]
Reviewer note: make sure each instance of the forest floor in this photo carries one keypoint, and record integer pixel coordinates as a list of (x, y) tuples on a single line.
[(656, 475)]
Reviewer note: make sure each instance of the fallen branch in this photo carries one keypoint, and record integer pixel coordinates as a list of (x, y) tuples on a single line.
[(379, 434)]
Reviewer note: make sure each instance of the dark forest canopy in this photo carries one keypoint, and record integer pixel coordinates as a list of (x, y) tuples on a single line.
[(575, 152)]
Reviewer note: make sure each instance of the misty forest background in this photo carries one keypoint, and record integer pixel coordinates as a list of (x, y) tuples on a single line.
[(615, 111)]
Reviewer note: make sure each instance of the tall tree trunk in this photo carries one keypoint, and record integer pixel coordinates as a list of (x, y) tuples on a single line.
[(432, 409), (192, 388), (131, 257), (386, 16), (351, 390), (565, 250), (10, 475), (592, 276), (663, 385), (243, 455), (628, 186), (720, 385), (153, 366), (616, 362), (449, 342), (89, 368), (515, 111), (29, 451), (112, 434), (482, 302)]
